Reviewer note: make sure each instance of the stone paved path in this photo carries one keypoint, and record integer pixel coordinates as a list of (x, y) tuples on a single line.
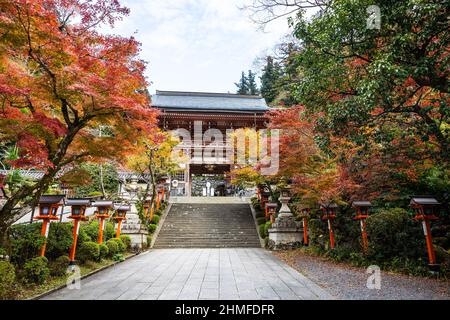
[(197, 274)]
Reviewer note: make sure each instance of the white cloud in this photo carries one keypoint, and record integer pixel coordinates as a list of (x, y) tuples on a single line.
[(196, 45)]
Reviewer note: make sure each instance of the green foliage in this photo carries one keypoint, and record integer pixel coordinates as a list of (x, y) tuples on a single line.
[(36, 270), (58, 267), (121, 247), (7, 279), (113, 247), (118, 257), (155, 219), (152, 227), (103, 251), (262, 229), (90, 229), (269, 80), (88, 251), (109, 231), (393, 234), (59, 240), (261, 220), (149, 240), (110, 180), (26, 240), (126, 240)]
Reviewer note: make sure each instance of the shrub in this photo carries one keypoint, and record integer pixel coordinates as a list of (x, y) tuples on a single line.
[(262, 231), (91, 230), (103, 251), (7, 279), (36, 270), (156, 219), (260, 214), (121, 248), (149, 240), (113, 247), (60, 239), (266, 228), (261, 221), (392, 233), (88, 251), (82, 237), (59, 266), (118, 257), (126, 240), (152, 228), (109, 231), (25, 241)]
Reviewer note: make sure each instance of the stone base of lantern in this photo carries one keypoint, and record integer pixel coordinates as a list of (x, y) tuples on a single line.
[(285, 234), (133, 228)]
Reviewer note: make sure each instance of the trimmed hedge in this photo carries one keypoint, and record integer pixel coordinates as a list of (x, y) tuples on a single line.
[(7, 279), (36, 270), (59, 240), (25, 240), (113, 247), (152, 228), (103, 251), (89, 251), (126, 240), (59, 266), (121, 248), (156, 219)]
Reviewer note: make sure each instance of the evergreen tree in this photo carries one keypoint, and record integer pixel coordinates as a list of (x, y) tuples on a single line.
[(251, 83), (271, 74), (242, 87)]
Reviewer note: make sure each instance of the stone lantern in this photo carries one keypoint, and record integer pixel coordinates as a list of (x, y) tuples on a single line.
[(48, 211), (426, 208), (362, 213), (285, 233)]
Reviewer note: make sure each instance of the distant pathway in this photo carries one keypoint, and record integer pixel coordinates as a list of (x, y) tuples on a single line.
[(192, 274), (347, 282)]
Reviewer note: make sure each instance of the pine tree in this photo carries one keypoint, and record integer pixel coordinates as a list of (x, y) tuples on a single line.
[(242, 85), (251, 83), (271, 74)]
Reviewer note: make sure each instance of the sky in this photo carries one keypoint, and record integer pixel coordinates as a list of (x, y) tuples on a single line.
[(197, 45)]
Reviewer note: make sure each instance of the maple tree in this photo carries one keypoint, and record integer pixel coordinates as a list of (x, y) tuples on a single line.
[(60, 79)]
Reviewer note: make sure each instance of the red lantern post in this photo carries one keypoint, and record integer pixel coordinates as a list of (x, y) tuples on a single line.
[(102, 213), (271, 210), (305, 213), (121, 212), (362, 213), (425, 207), (329, 215), (264, 199), (48, 211), (77, 215)]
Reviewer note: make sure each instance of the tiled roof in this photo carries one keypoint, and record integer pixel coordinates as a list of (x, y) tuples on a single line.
[(200, 101)]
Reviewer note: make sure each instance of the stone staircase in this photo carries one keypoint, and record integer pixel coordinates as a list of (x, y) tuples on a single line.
[(208, 225)]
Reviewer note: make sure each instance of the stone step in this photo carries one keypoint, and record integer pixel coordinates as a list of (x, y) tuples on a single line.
[(211, 225)]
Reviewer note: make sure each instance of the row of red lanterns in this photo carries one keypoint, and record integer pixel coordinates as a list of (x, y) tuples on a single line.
[(49, 205), (424, 207)]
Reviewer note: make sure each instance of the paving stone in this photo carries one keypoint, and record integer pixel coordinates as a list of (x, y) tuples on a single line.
[(187, 274)]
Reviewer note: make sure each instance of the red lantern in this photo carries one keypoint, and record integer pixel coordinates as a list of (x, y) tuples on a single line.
[(425, 208), (102, 213), (271, 210), (305, 212), (362, 213), (78, 214), (48, 211), (329, 214), (121, 212)]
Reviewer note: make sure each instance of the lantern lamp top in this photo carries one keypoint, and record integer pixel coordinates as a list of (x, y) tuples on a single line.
[(265, 193), (360, 204), (331, 205), (103, 203), (271, 205), (122, 207), (52, 199), (78, 202), (424, 201)]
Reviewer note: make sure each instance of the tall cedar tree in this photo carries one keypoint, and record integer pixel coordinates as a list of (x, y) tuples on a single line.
[(269, 78)]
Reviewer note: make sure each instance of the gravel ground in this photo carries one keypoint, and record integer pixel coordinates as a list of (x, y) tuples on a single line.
[(349, 283)]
